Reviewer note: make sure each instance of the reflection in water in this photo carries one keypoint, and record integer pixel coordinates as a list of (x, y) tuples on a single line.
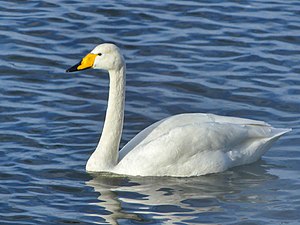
[(171, 200)]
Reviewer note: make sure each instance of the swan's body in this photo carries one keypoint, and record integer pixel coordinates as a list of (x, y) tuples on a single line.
[(182, 145)]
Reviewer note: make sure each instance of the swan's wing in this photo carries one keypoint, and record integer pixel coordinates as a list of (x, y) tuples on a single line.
[(196, 144), (198, 148), (164, 126), (140, 137)]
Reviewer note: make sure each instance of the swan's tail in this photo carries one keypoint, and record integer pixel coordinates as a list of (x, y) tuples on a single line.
[(266, 144), (278, 132), (256, 149)]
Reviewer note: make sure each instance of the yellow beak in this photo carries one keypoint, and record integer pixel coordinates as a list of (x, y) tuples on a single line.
[(86, 63)]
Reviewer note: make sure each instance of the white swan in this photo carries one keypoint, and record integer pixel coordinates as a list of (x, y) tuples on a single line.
[(190, 144)]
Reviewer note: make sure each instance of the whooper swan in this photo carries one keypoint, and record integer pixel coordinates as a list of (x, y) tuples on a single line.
[(189, 144)]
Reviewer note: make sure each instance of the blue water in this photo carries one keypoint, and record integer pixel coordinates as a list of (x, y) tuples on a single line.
[(237, 58)]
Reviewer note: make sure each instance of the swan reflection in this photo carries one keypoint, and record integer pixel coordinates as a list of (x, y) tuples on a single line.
[(173, 200)]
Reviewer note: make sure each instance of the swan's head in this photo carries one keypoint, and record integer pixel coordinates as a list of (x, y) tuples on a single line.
[(105, 56)]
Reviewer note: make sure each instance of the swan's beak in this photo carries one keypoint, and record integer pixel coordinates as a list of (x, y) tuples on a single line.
[(86, 63)]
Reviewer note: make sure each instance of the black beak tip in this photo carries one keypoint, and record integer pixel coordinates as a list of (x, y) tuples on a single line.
[(72, 69)]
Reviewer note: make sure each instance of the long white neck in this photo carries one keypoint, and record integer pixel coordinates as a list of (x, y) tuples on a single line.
[(105, 157)]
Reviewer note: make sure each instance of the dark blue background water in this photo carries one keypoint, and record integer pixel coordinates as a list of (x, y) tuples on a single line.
[(238, 58)]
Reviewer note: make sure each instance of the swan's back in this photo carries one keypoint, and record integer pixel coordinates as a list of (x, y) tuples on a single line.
[(163, 126), (196, 144)]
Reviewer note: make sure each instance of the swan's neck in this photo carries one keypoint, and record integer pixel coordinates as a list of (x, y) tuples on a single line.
[(105, 157)]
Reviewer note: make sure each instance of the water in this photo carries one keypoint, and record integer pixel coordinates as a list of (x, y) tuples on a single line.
[(238, 58)]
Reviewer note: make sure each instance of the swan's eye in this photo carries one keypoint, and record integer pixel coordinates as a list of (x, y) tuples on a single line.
[(99, 54)]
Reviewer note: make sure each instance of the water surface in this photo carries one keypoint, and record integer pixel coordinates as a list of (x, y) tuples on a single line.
[(237, 58)]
